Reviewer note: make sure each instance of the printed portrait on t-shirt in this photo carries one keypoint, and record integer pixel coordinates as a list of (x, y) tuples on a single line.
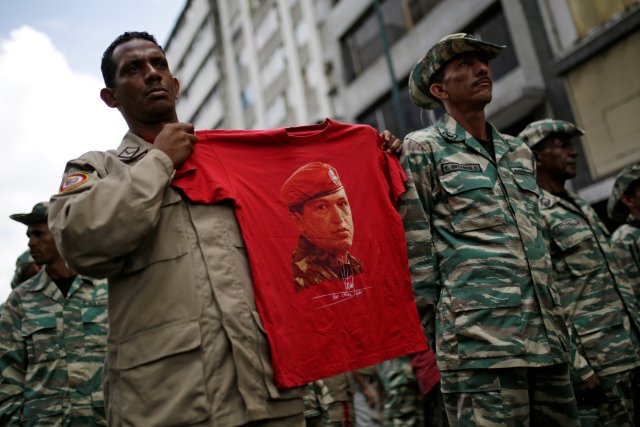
[(319, 208)]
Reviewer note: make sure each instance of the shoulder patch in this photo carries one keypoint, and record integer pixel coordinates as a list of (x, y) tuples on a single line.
[(467, 167), (73, 179)]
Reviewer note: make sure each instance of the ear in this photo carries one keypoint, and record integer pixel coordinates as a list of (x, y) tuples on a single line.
[(438, 91), (176, 87), (108, 97), (296, 218)]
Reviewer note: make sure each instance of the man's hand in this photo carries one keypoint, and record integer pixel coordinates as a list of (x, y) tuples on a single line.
[(176, 141), (590, 391), (390, 143)]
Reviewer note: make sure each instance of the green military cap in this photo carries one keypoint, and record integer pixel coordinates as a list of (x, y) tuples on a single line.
[(38, 214), (536, 131), (436, 58), (615, 208), (23, 261)]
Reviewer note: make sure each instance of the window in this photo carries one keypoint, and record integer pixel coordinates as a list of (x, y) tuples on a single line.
[(590, 14), (362, 44)]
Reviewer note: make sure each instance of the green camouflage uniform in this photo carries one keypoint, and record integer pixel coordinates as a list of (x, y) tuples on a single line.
[(311, 265), (477, 252), (626, 239), (403, 401), (23, 261), (595, 291), (52, 350), (329, 402)]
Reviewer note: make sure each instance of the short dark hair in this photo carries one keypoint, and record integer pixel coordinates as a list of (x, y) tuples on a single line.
[(108, 65)]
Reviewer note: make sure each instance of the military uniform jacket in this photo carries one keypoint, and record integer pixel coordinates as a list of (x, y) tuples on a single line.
[(52, 351), (595, 291), (186, 345), (625, 241), (476, 250)]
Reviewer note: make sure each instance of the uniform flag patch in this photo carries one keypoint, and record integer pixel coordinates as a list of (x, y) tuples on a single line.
[(73, 180)]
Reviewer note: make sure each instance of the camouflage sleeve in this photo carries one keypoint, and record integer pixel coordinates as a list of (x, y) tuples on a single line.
[(580, 370), (415, 208), (13, 356)]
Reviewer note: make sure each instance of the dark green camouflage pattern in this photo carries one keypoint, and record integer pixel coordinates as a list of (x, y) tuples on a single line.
[(625, 241), (329, 402), (23, 261), (439, 54), (403, 402), (537, 131), (39, 213), (625, 178), (503, 397), (311, 265), (477, 251), (52, 350), (594, 289), (618, 408)]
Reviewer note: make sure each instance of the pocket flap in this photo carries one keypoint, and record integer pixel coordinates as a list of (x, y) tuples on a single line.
[(158, 343), (526, 182), (459, 182), (588, 326), (32, 325)]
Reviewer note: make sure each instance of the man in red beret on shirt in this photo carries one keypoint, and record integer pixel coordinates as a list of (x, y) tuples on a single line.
[(319, 207)]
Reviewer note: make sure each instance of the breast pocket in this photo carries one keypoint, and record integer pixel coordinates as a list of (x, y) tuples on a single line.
[(42, 339), (167, 239), (577, 246), (472, 201), (95, 325)]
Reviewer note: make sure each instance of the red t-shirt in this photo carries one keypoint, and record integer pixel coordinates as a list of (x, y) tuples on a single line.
[(328, 304)]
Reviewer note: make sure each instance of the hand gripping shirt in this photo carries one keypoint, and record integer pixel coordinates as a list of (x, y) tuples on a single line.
[(323, 313), (596, 294), (52, 349), (477, 252)]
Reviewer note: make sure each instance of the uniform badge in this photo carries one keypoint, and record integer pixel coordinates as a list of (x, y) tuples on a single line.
[(73, 180), (334, 177), (545, 202)]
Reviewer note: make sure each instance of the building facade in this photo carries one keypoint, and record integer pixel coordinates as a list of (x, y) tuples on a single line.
[(271, 63)]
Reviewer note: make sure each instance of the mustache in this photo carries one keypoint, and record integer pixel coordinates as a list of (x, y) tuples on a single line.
[(482, 80)]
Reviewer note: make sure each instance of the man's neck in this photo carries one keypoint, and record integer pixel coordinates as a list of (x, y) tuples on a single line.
[(149, 130), (57, 269), (472, 120), (551, 185)]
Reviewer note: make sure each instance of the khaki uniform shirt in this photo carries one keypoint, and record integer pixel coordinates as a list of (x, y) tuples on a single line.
[(477, 254), (595, 291), (52, 351), (186, 345)]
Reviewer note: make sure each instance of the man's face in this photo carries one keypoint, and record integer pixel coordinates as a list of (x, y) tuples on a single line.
[(144, 89), (326, 222), (632, 200), (467, 78), (41, 244), (557, 158)]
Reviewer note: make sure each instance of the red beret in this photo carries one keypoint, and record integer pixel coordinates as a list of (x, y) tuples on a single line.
[(309, 182)]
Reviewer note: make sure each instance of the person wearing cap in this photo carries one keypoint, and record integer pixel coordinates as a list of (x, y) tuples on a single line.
[(26, 268), (594, 288), (53, 335), (479, 261), (319, 208), (624, 206)]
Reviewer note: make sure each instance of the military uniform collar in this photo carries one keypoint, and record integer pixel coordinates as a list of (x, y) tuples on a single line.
[(132, 147), (42, 282), (549, 200), (451, 130), (633, 221)]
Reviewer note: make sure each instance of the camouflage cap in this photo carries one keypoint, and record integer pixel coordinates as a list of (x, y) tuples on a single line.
[(39, 213), (23, 261), (436, 58), (615, 208), (310, 181), (537, 131)]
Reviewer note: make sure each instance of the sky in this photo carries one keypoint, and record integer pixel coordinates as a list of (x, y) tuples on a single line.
[(50, 109)]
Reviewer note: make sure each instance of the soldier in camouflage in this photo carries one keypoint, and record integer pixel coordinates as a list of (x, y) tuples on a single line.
[(329, 402), (52, 340), (593, 287), (478, 259), (26, 268), (404, 402), (319, 207), (624, 206)]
